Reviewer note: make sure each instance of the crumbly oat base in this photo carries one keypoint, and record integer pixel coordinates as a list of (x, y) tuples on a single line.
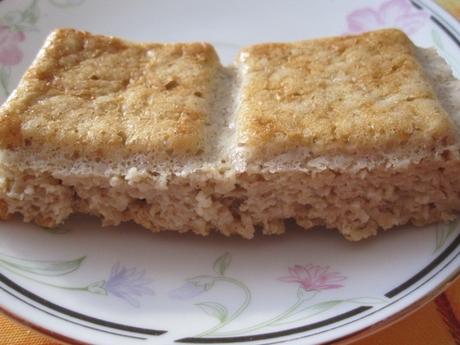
[(357, 204), (226, 169)]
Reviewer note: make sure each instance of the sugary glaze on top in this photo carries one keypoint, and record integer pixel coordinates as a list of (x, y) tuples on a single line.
[(101, 97), (98, 96), (341, 95)]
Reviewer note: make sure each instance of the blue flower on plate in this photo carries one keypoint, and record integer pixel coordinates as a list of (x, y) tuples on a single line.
[(186, 291), (192, 287), (128, 284)]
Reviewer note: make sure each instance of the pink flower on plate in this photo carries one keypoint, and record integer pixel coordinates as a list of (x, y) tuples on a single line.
[(10, 54), (314, 278), (393, 13)]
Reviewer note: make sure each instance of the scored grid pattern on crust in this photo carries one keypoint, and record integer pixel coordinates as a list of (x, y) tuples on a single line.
[(92, 96)]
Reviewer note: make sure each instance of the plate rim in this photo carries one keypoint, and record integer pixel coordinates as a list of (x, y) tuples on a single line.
[(343, 340), (451, 256)]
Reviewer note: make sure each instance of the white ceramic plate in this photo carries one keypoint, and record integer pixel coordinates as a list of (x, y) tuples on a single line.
[(124, 285)]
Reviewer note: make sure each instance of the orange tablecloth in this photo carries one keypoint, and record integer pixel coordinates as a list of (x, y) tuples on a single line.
[(437, 323)]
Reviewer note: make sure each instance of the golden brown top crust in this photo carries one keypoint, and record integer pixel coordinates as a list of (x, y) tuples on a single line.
[(100, 96), (349, 95)]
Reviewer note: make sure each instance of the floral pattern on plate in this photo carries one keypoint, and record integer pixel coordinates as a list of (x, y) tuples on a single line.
[(124, 283), (311, 280), (393, 13), (14, 26)]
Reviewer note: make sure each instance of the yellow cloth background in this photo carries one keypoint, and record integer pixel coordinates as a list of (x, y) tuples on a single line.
[(453, 6), (430, 325)]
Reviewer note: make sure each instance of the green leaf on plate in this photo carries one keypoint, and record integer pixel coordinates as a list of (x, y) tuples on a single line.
[(308, 311), (97, 288), (41, 267), (31, 14), (222, 263), (11, 19), (319, 307), (367, 301), (443, 232), (66, 3), (214, 309), (5, 73), (22, 20)]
